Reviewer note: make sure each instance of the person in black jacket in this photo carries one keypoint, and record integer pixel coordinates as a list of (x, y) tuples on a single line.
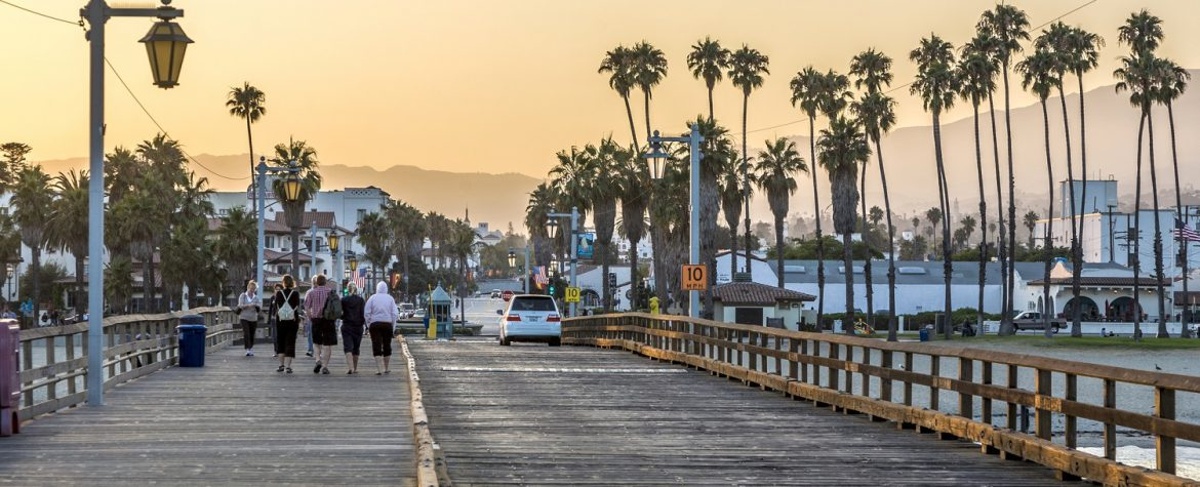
[(352, 326), (287, 311)]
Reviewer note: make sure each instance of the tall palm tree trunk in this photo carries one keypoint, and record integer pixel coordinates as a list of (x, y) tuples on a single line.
[(646, 99), (1182, 242), (632, 127), (1076, 256), (36, 270), (1006, 327), (746, 187), (602, 247), (944, 202), (711, 112), (982, 218), (1159, 273), (812, 154), (1001, 238), (848, 261), (870, 292), (1137, 231), (779, 246), (295, 251), (887, 208), (1047, 308)]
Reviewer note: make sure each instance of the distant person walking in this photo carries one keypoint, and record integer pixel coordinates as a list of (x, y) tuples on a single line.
[(287, 306), (353, 321), (380, 312), (249, 305), (273, 317), (308, 321), (324, 331)]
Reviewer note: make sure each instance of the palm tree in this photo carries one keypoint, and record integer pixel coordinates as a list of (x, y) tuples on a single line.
[(872, 70), (746, 69), (1054, 43), (1029, 221), (542, 200), (605, 192), (1140, 73), (32, 203), (118, 282), (632, 185), (808, 88), (729, 188), (987, 44), (67, 227), (137, 220), (13, 162), (298, 155), (576, 177), (374, 235), (773, 174), (977, 77), (236, 240), (248, 103), (408, 232), (718, 155), (707, 61), (1080, 51), (1172, 83), (619, 63), (843, 148), (1010, 26), (1039, 74), (937, 85), (649, 68)]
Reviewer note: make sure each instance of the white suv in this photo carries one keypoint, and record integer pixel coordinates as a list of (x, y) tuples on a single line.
[(531, 318)]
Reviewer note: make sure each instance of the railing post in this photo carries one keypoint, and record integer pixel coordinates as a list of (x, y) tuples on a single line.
[(1164, 408), (935, 372), (1071, 431), (1012, 406), (908, 385), (831, 372), (1042, 415), (848, 388), (885, 385), (986, 400), (966, 373), (1110, 429), (794, 354)]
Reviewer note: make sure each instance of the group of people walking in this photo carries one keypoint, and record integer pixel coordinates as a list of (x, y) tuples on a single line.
[(375, 316)]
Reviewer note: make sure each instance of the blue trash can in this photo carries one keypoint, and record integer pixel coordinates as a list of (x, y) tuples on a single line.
[(924, 333), (192, 334)]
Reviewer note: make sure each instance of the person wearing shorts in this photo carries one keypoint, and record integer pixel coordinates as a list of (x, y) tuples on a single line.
[(380, 311), (287, 329), (324, 332), (352, 326)]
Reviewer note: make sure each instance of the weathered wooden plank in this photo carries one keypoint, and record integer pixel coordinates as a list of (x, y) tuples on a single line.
[(592, 427), (233, 422)]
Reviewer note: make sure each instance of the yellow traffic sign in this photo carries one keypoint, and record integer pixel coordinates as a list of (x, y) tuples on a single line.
[(695, 277), (572, 295)]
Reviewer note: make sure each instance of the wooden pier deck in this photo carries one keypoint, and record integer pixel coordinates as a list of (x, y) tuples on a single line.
[(233, 422), (532, 414)]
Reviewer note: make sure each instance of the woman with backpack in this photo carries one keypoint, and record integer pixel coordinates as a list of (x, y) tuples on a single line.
[(287, 304), (352, 326), (324, 328)]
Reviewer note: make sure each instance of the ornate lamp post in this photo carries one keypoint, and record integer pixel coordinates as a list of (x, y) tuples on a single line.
[(552, 230), (291, 192), (165, 44), (334, 239), (693, 139), (512, 263)]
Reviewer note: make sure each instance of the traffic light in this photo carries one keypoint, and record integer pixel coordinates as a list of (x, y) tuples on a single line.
[(552, 288)]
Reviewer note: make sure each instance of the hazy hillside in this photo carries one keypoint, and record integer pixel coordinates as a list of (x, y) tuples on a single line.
[(908, 153)]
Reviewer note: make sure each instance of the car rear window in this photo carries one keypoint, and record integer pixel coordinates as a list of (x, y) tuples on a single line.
[(531, 303)]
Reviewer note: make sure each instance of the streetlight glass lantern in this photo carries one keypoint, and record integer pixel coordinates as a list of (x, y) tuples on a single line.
[(353, 263), (512, 259), (552, 228), (165, 44), (291, 188), (333, 238), (655, 157)]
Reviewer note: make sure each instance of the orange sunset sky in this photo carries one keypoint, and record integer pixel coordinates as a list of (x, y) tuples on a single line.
[(475, 86)]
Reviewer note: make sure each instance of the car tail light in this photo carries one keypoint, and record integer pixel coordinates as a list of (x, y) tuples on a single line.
[(554, 318), (514, 318)]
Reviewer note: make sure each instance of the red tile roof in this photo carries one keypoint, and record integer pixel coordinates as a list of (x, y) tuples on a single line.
[(753, 293)]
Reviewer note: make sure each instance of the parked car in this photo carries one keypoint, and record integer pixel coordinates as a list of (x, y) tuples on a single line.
[(495, 293), (406, 310), (530, 318), (1032, 320)]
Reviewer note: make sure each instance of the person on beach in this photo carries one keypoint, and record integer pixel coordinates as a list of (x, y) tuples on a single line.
[(380, 312), (287, 305), (248, 308), (352, 326), (324, 331)]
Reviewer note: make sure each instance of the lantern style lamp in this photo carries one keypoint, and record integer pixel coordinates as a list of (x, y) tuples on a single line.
[(552, 228), (165, 44), (655, 156), (512, 259), (333, 238), (291, 188), (353, 263)]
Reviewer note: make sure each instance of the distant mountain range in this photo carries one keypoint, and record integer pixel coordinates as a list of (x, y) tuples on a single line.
[(500, 199)]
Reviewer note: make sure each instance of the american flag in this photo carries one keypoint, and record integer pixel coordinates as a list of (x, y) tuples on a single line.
[(1184, 232), (360, 278), (539, 276)]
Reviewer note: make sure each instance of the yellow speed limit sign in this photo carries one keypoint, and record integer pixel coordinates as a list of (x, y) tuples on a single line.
[(572, 295), (695, 277)]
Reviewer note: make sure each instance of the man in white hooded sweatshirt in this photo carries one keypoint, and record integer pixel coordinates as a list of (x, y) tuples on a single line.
[(380, 312)]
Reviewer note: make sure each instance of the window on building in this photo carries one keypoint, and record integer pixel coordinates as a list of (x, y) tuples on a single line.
[(362, 213), (269, 241)]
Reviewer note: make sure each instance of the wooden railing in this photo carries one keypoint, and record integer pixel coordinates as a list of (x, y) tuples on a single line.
[(134, 346), (972, 394)]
